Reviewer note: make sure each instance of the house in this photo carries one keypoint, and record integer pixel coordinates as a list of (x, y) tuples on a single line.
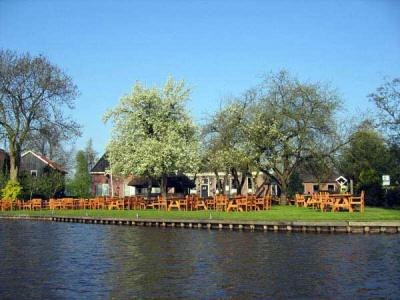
[(204, 184), (104, 183), (314, 185), (36, 165)]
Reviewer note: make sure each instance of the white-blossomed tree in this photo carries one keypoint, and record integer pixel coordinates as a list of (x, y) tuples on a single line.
[(153, 135)]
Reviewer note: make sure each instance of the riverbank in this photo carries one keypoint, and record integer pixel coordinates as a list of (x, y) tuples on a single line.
[(277, 213), (289, 219)]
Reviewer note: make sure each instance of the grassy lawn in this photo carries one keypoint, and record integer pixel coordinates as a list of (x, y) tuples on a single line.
[(277, 213)]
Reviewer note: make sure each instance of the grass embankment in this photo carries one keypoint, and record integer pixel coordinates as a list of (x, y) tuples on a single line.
[(277, 213)]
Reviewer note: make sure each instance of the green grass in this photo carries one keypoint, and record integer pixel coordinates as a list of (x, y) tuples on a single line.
[(277, 213)]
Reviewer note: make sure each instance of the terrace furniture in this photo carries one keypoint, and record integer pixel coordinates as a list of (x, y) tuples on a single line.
[(221, 202), (241, 202), (184, 204), (67, 203), (36, 204), (5, 205), (233, 205), (27, 205), (199, 204), (19, 204), (84, 203), (174, 203), (260, 203), (116, 203), (341, 201), (55, 204), (299, 200), (357, 202), (100, 203), (211, 203), (325, 201), (251, 202)]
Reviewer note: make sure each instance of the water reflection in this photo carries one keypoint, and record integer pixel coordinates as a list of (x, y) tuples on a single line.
[(75, 261)]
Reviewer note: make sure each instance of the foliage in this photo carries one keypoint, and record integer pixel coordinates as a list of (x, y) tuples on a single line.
[(35, 95), (295, 185), (80, 184), (387, 99), (11, 191), (153, 135), (367, 150), (48, 184), (291, 122), (225, 142)]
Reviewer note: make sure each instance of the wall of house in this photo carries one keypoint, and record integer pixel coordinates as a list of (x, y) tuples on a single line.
[(325, 187), (101, 185), (248, 187), (29, 163)]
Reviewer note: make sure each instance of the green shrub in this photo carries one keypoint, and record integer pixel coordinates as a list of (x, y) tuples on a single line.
[(11, 191)]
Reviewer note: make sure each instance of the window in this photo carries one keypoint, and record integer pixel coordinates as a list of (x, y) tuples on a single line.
[(204, 181), (249, 183), (105, 189), (34, 173), (331, 187), (316, 187)]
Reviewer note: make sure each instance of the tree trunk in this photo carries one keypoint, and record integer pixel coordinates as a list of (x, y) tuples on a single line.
[(284, 193), (149, 187), (15, 161), (164, 186)]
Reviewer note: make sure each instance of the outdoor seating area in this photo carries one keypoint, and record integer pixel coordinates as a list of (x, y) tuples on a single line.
[(241, 203), (324, 201)]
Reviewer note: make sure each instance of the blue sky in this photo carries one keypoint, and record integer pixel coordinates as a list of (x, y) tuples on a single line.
[(219, 47)]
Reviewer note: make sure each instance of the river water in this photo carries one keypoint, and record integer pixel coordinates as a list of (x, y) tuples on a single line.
[(43, 260)]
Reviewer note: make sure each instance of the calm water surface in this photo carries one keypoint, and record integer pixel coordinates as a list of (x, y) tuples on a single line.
[(40, 260)]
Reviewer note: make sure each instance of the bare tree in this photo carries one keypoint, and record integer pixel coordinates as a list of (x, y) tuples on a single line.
[(34, 96), (387, 99)]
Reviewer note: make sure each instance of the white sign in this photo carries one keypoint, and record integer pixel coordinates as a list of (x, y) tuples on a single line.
[(385, 180), (341, 181)]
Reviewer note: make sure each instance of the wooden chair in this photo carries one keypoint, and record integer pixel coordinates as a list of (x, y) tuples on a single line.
[(27, 205), (341, 202), (184, 204), (199, 204), (221, 202), (116, 203), (233, 204), (211, 203), (357, 202), (326, 202), (251, 202), (84, 203), (241, 202), (101, 203), (174, 204), (36, 204), (55, 204), (5, 204), (67, 203), (299, 200)]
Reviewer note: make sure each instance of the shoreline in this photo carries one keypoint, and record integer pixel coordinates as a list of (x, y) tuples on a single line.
[(245, 225)]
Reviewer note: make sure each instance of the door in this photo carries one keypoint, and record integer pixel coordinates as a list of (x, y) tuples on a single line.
[(204, 191)]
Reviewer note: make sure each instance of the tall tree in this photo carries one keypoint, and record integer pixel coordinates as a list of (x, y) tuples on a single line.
[(91, 155), (387, 99), (81, 182), (225, 142), (291, 122), (153, 135), (34, 95)]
